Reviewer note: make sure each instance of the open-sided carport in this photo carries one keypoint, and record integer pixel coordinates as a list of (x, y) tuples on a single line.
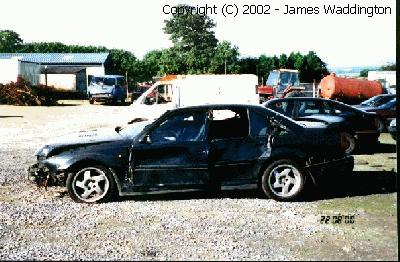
[(64, 70)]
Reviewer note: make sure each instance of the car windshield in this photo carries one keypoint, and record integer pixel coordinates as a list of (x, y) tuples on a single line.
[(134, 129), (273, 78), (288, 78), (377, 100), (109, 81)]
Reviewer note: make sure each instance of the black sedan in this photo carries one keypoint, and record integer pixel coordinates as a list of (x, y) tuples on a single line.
[(383, 106), (214, 147), (360, 127)]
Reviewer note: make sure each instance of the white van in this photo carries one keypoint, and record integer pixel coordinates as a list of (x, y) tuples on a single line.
[(175, 91)]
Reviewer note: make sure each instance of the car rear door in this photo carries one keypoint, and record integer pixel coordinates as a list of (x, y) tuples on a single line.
[(234, 153)]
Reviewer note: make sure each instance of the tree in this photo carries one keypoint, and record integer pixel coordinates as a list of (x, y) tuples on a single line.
[(121, 62), (149, 66), (364, 72), (312, 68), (10, 41), (294, 61), (171, 62), (248, 65), (44, 47), (389, 67), (57, 47), (193, 38), (283, 61), (225, 59)]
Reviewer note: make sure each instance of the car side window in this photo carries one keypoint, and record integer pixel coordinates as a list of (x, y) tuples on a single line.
[(258, 124), (180, 128), (328, 108), (308, 108), (283, 107), (228, 123)]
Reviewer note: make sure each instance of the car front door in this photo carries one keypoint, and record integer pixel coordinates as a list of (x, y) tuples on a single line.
[(172, 156)]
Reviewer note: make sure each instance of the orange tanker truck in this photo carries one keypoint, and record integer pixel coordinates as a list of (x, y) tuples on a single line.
[(348, 89), (284, 83)]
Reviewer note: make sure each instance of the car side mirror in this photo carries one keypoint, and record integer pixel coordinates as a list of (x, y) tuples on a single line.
[(146, 139)]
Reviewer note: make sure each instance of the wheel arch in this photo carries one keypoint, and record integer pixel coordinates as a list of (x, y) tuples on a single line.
[(301, 161), (92, 162)]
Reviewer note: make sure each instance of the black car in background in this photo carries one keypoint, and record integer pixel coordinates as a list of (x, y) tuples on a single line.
[(213, 147), (359, 127), (383, 106)]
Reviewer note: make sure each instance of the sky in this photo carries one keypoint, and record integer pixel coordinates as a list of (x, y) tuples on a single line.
[(137, 26)]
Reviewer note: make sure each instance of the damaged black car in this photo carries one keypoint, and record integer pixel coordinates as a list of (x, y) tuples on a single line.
[(211, 147)]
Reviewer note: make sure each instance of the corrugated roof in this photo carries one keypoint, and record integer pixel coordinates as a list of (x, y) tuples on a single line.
[(58, 58)]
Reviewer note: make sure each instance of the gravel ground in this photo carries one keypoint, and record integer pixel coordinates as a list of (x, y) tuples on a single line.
[(47, 225)]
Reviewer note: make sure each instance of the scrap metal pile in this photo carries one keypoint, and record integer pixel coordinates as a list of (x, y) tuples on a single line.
[(18, 93)]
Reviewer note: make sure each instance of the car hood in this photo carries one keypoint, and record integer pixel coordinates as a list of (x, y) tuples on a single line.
[(77, 140), (87, 137), (98, 89), (91, 137)]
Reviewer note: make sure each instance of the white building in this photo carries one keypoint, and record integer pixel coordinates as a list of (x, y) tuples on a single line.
[(11, 68), (387, 78)]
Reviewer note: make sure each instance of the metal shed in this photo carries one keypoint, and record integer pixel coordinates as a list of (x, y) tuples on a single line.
[(64, 70)]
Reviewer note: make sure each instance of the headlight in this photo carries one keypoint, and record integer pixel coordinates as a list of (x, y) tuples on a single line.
[(43, 152)]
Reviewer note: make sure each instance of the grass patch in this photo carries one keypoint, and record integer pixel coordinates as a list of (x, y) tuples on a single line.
[(382, 204)]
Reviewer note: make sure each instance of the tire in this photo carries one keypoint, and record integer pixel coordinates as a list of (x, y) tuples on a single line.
[(351, 141), (91, 184), (91, 101), (295, 94), (291, 178)]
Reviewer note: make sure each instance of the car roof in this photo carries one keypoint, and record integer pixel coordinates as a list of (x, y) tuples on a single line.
[(109, 76), (387, 95), (219, 106), (300, 98), (315, 99)]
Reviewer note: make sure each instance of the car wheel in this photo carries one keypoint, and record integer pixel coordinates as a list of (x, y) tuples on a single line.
[(283, 180), (91, 101), (92, 184), (349, 142)]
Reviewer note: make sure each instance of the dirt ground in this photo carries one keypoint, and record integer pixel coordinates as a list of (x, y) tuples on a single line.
[(236, 225)]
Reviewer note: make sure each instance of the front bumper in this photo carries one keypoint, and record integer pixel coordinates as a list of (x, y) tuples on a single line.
[(102, 96), (44, 175)]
